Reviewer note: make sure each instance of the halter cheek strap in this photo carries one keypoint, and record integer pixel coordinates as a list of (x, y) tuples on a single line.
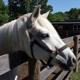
[(41, 46)]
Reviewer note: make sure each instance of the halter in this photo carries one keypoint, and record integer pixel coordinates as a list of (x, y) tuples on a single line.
[(53, 54)]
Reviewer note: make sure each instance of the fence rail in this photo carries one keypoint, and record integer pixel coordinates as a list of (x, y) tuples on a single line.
[(10, 61), (68, 33)]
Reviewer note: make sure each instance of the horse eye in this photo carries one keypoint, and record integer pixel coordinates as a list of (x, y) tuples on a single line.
[(45, 35)]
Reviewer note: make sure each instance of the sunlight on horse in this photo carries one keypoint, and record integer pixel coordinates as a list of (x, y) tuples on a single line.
[(35, 35)]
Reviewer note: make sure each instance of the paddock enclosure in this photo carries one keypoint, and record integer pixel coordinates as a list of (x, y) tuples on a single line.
[(35, 70)]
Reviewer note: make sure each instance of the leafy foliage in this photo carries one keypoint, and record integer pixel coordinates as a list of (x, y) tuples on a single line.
[(58, 16), (72, 14), (3, 13), (16, 8), (20, 7)]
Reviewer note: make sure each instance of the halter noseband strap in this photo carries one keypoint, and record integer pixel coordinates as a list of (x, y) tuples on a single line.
[(57, 52)]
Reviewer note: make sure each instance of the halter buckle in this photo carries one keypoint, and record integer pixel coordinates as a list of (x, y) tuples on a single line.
[(54, 54)]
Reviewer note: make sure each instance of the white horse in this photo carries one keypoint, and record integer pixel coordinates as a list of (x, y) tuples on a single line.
[(35, 35)]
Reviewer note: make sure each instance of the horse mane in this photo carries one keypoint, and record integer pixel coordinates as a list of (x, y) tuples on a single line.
[(8, 24), (25, 16)]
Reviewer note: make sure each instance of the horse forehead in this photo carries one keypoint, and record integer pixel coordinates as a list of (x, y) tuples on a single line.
[(45, 23)]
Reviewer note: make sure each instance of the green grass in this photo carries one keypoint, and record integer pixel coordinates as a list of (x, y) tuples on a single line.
[(75, 76)]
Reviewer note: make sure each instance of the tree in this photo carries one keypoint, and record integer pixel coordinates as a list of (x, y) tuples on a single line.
[(3, 13), (20, 7), (72, 14), (58, 16)]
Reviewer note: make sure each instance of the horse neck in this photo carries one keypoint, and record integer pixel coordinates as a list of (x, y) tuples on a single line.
[(24, 38), (8, 38)]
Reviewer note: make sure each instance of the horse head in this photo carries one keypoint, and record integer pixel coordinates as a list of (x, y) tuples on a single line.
[(45, 42)]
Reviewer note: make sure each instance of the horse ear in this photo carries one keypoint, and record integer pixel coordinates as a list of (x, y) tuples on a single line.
[(46, 14), (35, 13)]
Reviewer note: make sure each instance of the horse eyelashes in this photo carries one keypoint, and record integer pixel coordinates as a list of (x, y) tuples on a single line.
[(44, 35)]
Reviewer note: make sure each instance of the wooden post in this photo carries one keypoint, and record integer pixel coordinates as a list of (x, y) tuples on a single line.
[(75, 50), (34, 69)]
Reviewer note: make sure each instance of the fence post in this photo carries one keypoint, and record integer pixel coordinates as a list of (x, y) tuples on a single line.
[(75, 50), (34, 69)]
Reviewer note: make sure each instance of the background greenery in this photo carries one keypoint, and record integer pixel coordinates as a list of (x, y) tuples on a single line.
[(16, 8), (75, 76), (3, 13)]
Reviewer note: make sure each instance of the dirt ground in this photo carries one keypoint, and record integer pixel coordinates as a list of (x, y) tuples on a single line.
[(23, 72)]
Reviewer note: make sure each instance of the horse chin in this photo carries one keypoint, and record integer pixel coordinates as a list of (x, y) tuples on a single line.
[(65, 67)]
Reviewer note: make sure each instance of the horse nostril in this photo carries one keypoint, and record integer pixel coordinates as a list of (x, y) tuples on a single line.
[(74, 60)]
